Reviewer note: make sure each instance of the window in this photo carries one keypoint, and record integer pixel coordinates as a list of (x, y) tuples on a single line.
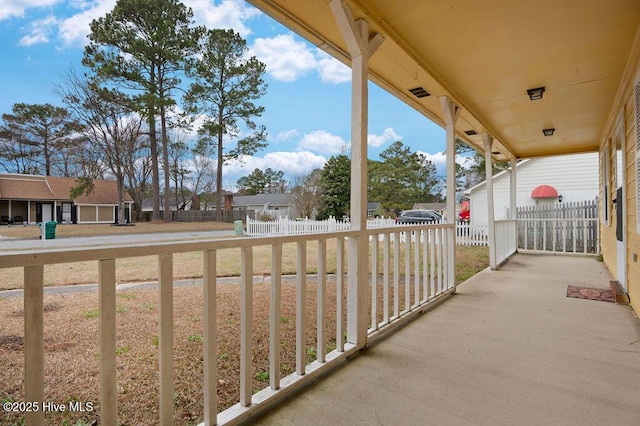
[(66, 212)]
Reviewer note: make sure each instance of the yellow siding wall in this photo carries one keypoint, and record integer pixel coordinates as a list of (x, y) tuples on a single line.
[(633, 239), (608, 232)]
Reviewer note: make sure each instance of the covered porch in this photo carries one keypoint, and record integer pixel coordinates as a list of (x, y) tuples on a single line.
[(508, 348)]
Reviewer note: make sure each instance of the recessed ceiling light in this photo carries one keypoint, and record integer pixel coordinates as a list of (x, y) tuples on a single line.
[(548, 132), (471, 132)]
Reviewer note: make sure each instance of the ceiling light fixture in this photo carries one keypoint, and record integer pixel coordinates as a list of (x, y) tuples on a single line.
[(548, 132), (535, 94)]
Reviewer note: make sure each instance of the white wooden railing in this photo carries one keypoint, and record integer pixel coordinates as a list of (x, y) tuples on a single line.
[(406, 278), (571, 235), (505, 239)]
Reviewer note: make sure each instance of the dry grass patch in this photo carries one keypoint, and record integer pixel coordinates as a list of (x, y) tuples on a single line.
[(72, 356)]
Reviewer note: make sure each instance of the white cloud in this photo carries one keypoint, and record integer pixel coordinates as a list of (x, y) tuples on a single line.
[(389, 135), (323, 142), (286, 58), (331, 70), (287, 135), (437, 158), (17, 8), (73, 30), (39, 31), (291, 163), (227, 14)]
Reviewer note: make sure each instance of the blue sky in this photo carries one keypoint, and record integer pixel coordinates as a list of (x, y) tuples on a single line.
[(307, 103)]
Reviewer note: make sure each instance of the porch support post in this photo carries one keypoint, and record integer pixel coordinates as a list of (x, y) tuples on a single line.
[(361, 47), (514, 199), (488, 142), (451, 112)]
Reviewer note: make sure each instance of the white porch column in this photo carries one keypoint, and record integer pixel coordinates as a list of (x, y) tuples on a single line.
[(450, 113), (488, 142), (361, 47), (514, 200)]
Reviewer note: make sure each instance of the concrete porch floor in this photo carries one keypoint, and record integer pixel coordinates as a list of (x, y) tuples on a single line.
[(508, 349)]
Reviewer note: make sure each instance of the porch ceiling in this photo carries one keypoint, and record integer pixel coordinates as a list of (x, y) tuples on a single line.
[(484, 55)]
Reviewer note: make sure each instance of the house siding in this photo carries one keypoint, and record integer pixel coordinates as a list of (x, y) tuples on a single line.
[(625, 108), (576, 183), (633, 238)]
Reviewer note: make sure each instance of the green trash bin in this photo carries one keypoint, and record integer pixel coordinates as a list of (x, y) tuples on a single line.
[(239, 228), (50, 230)]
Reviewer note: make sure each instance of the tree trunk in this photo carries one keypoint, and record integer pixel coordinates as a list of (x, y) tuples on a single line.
[(219, 179), (165, 165), (155, 178), (121, 219)]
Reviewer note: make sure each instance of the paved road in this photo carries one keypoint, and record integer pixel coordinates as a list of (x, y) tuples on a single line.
[(9, 244)]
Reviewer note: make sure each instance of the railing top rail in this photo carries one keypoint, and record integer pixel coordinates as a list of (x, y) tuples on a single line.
[(48, 256), (556, 219), (406, 227), (504, 220)]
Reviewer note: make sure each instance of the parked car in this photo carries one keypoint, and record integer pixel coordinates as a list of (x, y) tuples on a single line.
[(418, 216)]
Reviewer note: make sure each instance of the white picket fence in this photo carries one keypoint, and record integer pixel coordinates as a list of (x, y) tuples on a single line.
[(466, 234)]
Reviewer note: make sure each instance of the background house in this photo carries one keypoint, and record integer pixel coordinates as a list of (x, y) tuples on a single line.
[(574, 178), (278, 205), (439, 208), (33, 199)]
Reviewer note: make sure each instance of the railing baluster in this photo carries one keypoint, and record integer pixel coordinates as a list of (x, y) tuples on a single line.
[(386, 271), (374, 282), (301, 307), (321, 298), (441, 268), (432, 256), (107, 310), (340, 295), (275, 310), (396, 275), (407, 271), (416, 269), (246, 324), (425, 265), (34, 341), (165, 262), (210, 338)]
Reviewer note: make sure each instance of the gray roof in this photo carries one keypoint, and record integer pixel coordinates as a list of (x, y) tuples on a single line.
[(284, 199), (430, 206)]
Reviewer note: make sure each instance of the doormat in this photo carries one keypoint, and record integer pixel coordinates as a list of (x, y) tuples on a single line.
[(590, 293)]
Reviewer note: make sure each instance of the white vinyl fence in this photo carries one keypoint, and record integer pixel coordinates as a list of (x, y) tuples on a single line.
[(466, 234)]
